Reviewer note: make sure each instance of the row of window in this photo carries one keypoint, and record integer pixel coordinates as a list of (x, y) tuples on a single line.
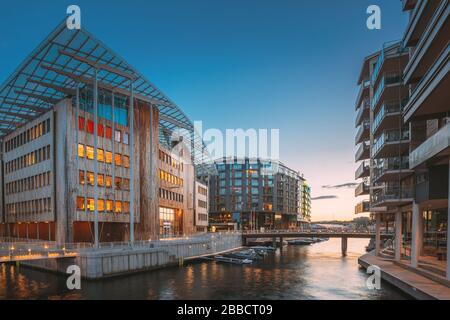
[(165, 176), (28, 160), (202, 191), (108, 206), (87, 177), (38, 206), (29, 183), (170, 195), (28, 135), (103, 156), (202, 204), (164, 157), (103, 131), (202, 217)]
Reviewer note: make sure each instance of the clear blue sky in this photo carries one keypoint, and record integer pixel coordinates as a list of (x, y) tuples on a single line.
[(286, 64)]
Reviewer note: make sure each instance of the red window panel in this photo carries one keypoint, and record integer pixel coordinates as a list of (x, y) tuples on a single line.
[(90, 127), (108, 133), (100, 130), (80, 123)]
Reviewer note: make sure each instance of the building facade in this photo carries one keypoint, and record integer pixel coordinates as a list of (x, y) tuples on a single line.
[(87, 153), (406, 171), (251, 194)]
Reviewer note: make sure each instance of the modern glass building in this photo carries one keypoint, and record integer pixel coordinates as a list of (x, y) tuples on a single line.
[(251, 194)]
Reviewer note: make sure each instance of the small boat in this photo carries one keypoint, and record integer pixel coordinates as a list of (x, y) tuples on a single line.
[(244, 254), (232, 260), (301, 242)]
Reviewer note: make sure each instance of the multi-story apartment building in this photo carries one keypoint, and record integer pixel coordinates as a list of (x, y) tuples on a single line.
[(84, 148), (253, 193), (201, 206), (406, 150)]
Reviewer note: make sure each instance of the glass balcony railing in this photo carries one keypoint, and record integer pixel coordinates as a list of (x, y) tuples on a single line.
[(363, 127), (362, 169), (386, 80), (363, 149), (362, 207), (364, 85), (396, 193), (389, 136), (385, 111), (364, 106), (377, 68), (390, 164), (362, 189)]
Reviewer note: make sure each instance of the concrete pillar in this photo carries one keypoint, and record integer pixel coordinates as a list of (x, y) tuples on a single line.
[(344, 242), (95, 103), (398, 236), (416, 235), (378, 234)]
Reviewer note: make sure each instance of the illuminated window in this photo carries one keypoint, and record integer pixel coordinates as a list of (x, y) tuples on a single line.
[(108, 157), (118, 207), (117, 159), (108, 181), (126, 207), (126, 161), (101, 205), (90, 152), (100, 155), (81, 176), (118, 183), (90, 178), (161, 174), (80, 203), (100, 130), (126, 138), (117, 135), (80, 123), (108, 133), (109, 205), (101, 180), (90, 127), (90, 204)]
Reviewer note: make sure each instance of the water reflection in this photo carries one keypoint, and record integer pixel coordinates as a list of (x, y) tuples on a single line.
[(314, 272)]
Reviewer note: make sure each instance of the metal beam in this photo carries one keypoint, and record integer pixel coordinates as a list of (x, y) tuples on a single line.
[(174, 122), (38, 96), (10, 122), (19, 115), (98, 66), (67, 91), (27, 106)]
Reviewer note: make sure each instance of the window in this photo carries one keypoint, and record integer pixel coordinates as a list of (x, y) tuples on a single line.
[(100, 132), (81, 150), (90, 178), (126, 184), (80, 203), (108, 133), (126, 207), (109, 205), (108, 157), (101, 180), (90, 204), (90, 152), (81, 175), (90, 127), (126, 138), (117, 135), (101, 205), (100, 155), (118, 207), (118, 183), (117, 159), (108, 181), (126, 161), (80, 123)]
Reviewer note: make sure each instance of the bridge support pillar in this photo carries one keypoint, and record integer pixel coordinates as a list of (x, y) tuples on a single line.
[(344, 242)]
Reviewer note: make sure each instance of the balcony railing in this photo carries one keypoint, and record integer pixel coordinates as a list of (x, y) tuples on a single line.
[(363, 128), (386, 80), (377, 68), (393, 194), (362, 189), (364, 85), (363, 170), (390, 136), (362, 151), (386, 111), (390, 164), (362, 207), (365, 105)]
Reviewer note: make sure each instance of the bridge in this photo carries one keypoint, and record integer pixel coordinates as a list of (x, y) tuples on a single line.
[(16, 251), (282, 234)]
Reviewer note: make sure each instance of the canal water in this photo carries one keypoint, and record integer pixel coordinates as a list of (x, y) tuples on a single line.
[(297, 272)]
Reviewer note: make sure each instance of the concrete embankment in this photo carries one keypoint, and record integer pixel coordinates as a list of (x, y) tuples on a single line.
[(120, 260)]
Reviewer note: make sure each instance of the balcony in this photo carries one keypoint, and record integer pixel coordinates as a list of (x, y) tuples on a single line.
[(391, 169), (362, 207), (393, 196), (363, 170), (362, 189), (391, 143), (387, 117), (363, 132), (363, 112), (387, 90), (436, 145), (363, 93), (363, 152)]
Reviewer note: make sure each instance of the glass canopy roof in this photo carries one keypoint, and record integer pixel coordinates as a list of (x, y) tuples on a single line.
[(68, 58)]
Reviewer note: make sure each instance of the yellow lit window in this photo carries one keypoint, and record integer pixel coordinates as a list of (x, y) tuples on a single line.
[(108, 181), (90, 204), (126, 207), (117, 159), (81, 150), (101, 205), (118, 207), (81, 174), (109, 205), (90, 152), (100, 155), (108, 157), (90, 178), (161, 174), (126, 161), (101, 180), (80, 203)]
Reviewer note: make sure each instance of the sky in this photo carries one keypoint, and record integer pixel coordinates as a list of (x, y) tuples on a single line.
[(290, 65)]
